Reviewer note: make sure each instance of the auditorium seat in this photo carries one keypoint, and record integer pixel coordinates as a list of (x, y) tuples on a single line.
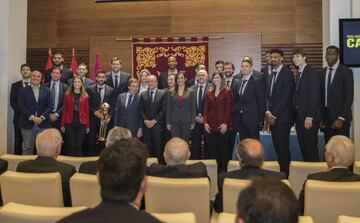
[(41, 189), (76, 161), (231, 191), (230, 217), (84, 190), (357, 167), (16, 213), (299, 172), (211, 168), (151, 160), (325, 201), (348, 219), (186, 217), (267, 165), (174, 195), (14, 160)]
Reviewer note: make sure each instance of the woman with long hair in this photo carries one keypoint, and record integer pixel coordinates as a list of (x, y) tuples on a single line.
[(181, 108), (75, 117), (144, 75), (217, 120)]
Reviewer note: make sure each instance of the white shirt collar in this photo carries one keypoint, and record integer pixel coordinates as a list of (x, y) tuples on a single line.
[(301, 68), (336, 65), (114, 74), (278, 69)]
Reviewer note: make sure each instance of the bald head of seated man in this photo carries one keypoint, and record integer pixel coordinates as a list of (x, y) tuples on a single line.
[(176, 153), (48, 144), (250, 153)]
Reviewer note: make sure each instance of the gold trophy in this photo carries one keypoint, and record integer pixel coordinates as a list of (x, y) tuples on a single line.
[(105, 111)]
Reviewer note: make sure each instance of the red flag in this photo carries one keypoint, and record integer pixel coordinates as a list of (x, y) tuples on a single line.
[(73, 65), (49, 63), (97, 67)]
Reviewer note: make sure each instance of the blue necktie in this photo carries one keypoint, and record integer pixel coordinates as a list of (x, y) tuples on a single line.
[(129, 101)]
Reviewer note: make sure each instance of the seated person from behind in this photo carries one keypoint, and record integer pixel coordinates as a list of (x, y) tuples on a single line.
[(250, 153), (116, 133), (48, 144), (176, 153), (122, 179), (339, 156), (267, 200)]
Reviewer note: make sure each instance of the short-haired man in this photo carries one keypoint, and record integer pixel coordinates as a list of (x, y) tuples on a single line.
[(339, 156), (25, 71), (250, 153), (116, 78), (176, 153), (81, 72), (172, 63), (266, 70), (122, 178), (48, 145), (58, 61), (267, 200), (198, 66)]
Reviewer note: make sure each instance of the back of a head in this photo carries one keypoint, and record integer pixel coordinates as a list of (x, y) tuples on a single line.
[(122, 168), (176, 151), (250, 153), (48, 143), (267, 200), (116, 134), (342, 149)]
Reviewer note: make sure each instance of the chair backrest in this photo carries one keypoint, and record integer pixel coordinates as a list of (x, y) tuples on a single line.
[(174, 195), (76, 161), (186, 217), (15, 213), (14, 160), (231, 191), (348, 219), (357, 167), (299, 172), (230, 217), (325, 201), (211, 168), (85, 190), (41, 189), (267, 165), (305, 219), (151, 160)]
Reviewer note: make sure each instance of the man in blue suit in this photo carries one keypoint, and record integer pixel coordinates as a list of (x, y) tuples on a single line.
[(35, 104)]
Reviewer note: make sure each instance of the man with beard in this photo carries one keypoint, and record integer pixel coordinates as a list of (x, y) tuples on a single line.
[(172, 63), (58, 61)]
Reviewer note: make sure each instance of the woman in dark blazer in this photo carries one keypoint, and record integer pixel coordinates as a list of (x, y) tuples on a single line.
[(217, 120), (181, 108), (75, 118)]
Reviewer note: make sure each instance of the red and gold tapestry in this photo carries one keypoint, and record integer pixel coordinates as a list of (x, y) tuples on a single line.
[(153, 55)]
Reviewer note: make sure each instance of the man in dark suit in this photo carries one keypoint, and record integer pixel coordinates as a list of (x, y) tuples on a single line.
[(117, 79), (35, 106), (176, 153), (257, 74), (14, 97), (339, 156), (337, 95), (307, 105), (250, 153), (48, 144), (127, 111), (197, 68), (98, 94), (122, 169), (58, 90), (267, 70), (58, 61), (197, 134), (280, 109), (152, 112), (81, 73), (172, 63)]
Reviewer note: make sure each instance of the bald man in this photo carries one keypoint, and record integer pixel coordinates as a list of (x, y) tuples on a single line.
[(250, 153), (175, 155), (48, 144)]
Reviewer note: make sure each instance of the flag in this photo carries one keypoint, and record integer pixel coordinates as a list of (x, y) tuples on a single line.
[(49, 63), (97, 67), (73, 65)]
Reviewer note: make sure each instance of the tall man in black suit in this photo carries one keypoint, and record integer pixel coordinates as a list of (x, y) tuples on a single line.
[(48, 145), (197, 134), (152, 112), (116, 78), (58, 90), (337, 95), (172, 63), (98, 94), (339, 156), (250, 153), (122, 178), (307, 105), (14, 94), (266, 70), (279, 107), (58, 61)]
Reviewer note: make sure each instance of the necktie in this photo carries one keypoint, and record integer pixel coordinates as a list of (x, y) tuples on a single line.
[(329, 84), (273, 81), (100, 91), (151, 96), (26, 84), (129, 101), (200, 104), (298, 80), (242, 86), (116, 81), (53, 97), (228, 83)]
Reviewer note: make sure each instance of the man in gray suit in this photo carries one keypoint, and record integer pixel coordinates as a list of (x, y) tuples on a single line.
[(117, 79), (81, 73)]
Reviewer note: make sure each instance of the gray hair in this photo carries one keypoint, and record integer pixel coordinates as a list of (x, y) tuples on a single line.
[(116, 134), (250, 153), (176, 151), (343, 150), (47, 142)]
